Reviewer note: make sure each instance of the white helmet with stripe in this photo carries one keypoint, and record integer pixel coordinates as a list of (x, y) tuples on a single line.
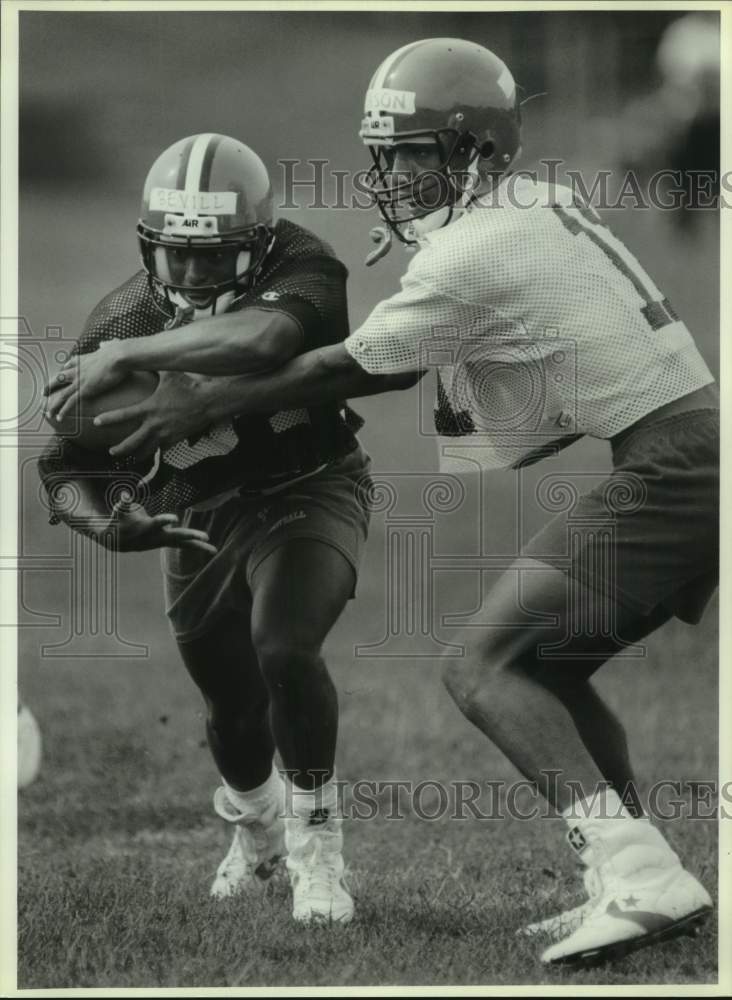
[(205, 224)]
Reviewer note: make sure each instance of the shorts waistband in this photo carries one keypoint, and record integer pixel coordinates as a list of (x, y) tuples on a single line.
[(620, 442), (264, 490), (269, 490)]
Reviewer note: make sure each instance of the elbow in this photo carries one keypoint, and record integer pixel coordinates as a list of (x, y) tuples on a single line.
[(405, 380), (279, 341), (270, 351)]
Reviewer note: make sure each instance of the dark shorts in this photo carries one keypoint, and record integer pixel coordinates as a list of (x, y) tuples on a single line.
[(200, 588), (648, 536)]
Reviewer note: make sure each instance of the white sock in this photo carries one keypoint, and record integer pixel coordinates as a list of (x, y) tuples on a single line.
[(603, 805), (601, 827), (256, 800), (303, 803)]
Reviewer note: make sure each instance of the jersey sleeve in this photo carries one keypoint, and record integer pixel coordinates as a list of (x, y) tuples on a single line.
[(128, 311), (312, 291), (422, 325)]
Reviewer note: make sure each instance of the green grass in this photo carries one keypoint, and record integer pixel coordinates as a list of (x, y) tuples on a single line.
[(118, 841)]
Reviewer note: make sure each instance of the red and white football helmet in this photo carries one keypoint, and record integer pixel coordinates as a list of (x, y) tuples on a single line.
[(448, 92), (205, 224)]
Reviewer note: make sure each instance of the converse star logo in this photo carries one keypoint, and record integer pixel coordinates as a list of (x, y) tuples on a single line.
[(631, 901), (577, 839)]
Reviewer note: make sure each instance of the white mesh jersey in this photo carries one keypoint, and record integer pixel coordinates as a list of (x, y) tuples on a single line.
[(542, 325)]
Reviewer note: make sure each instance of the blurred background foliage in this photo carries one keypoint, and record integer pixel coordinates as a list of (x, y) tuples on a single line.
[(102, 93)]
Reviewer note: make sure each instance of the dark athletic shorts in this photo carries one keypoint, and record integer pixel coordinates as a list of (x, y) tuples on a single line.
[(200, 588), (648, 536)]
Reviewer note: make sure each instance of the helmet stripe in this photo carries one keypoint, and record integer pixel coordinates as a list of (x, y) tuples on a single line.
[(180, 180), (391, 63), (195, 166), (208, 159)]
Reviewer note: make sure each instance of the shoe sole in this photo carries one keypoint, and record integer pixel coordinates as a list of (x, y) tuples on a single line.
[(688, 925), (320, 920)]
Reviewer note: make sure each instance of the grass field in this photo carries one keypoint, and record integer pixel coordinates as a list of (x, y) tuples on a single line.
[(118, 841)]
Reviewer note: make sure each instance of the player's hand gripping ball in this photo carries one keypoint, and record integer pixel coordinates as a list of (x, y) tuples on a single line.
[(77, 423)]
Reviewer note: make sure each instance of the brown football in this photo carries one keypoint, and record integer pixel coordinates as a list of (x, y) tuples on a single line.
[(78, 425)]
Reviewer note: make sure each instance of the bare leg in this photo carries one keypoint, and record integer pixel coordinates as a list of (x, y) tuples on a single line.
[(542, 712), (224, 666), (298, 593)]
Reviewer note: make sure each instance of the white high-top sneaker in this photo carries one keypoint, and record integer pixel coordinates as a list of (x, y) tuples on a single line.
[(315, 863), (257, 846), (561, 924), (642, 894)]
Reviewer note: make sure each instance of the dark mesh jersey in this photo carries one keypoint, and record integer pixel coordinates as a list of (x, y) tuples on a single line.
[(301, 277)]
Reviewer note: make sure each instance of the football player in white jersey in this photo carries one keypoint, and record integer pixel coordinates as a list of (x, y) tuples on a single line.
[(543, 328)]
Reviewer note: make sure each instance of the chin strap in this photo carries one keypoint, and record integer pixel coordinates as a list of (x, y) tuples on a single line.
[(183, 315), (382, 237)]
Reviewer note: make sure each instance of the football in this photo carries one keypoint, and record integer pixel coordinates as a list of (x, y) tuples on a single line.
[(29, 747), (79, 423)]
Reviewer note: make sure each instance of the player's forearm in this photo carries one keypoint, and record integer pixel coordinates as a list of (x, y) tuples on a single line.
[(328, 374), (231, 343)]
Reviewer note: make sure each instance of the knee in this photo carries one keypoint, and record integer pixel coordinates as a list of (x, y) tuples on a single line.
[(463, 680), (460, 681), (283, 661), (484, 665)]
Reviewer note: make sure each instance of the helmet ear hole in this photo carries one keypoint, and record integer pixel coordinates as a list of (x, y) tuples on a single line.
[(486, 149)]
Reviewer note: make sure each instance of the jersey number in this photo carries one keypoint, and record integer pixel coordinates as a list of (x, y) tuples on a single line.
[(657, 311)]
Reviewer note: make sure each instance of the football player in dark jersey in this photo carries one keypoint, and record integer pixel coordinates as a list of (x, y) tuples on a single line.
[(260, 520)]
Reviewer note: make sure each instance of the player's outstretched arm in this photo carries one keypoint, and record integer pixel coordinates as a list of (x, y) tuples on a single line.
[(80, 497), (124, 528), (248, 341), (327, 374)]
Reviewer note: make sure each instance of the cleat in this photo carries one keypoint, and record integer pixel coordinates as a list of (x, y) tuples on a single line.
[(646, 898), (688, 926), (562, 924), (257, 848), (315, 866)]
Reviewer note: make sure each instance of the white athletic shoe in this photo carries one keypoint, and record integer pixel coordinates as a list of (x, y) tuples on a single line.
[(315, 864), (561, 924), (256, 848), (642, 895)]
